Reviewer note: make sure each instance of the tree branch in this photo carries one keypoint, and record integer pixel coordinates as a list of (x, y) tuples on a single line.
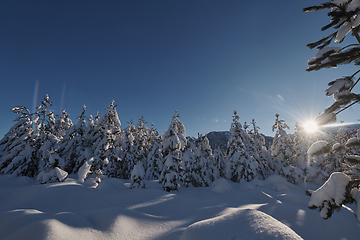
[(356, 34)]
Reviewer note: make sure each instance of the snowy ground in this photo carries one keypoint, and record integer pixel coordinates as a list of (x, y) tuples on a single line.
[(271, 209)]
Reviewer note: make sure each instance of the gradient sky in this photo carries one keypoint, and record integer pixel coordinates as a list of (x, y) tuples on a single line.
[(203, 58)]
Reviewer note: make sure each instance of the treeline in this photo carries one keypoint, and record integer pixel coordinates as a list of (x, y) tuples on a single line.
[(47, 147)]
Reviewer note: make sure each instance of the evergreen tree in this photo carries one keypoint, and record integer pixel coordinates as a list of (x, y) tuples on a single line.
[(86, 156), (282, 150), (154, 158), (345, 18), (219, 160), (72, 145), (62, 124), (205, 158), (50, 165), (128, 152), (141, 141), (107, 143), (189, 175), (137, 176), (18, 152), (173, 144), (240, 165)]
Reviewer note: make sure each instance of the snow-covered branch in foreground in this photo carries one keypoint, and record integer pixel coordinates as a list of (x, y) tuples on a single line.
[(339, 189)]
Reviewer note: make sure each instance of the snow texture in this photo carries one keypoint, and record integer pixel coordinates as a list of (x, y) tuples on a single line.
[(239, 224), (332, 191), (72, 210), (221, 185), (336, 147), (318, 147), (353, 142), (53, 175), (326, 50), (339, 85)]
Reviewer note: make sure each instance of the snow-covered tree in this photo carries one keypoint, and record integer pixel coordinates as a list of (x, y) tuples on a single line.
[(72, 146), (141, 141), (173, 144), (51, 165), (240, 165), (128, 153), (62, 124), (189, 176), (154, 158), (18, 152), (219, 160), (345, 18), (107, 143), (283, 151), (137, 176)]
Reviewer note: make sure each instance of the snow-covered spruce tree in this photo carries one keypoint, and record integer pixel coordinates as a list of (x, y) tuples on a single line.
[(189, 170), (137, 176), (141, 141), (240, 165), (205, 159), (261, 153), (282, 150), (18, 151), (305, 168), (128, 153), (154, 158), (51, 165), (71, 146), (173, 144), (345, 18), (107, 143), (86, 156), (219, 160), (62, 124), (142, 146)]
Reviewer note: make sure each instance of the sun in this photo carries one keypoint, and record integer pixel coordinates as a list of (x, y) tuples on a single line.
[(310, 126)]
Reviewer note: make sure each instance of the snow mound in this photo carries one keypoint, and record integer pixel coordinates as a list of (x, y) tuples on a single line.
[(278, 183), (52, 175), (242, 224), (294, 199), (221, 185), (110, 184)]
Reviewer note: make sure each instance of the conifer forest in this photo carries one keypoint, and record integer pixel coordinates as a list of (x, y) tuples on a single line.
[(96, 177)]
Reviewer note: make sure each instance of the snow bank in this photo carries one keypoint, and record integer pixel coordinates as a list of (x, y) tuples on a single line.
[(242, 224), (221, 185), (279, 183), (52, 175), (111, 184), (70, 210)]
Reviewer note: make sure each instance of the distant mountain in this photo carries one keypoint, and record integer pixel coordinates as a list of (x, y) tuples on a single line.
[(333, 129), (223, 137)]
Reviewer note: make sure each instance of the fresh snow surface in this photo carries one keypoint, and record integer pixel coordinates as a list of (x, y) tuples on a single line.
[(260, 209)]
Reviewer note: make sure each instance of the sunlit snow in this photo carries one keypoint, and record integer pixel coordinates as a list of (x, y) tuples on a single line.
[(260, 209)]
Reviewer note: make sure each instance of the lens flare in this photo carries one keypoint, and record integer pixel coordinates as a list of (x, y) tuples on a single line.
[(310, 126)]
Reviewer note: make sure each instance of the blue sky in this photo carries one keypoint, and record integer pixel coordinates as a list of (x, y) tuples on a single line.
[(202, 58)]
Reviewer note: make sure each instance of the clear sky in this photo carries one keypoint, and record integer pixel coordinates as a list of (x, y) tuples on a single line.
[(203, 58)]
